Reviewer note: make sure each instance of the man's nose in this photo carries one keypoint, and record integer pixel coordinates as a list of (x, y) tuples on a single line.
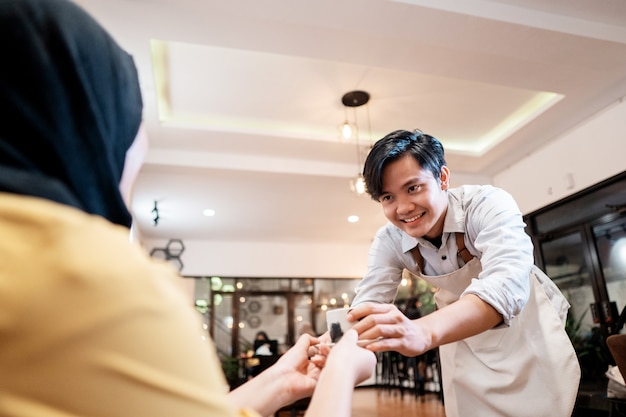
[(405, 205)]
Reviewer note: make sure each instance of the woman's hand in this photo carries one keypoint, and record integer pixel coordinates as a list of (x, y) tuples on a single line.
[(292, 377), (347, 365), (346, 356), (301, 365)]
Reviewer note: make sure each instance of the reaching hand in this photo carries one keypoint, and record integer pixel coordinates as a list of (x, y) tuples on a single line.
[(292, 377), (299, 368), (347, 356), (394, 330), (347, 365)]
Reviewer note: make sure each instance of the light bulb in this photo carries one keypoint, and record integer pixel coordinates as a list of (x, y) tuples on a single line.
[(359, 185), (346, 130)]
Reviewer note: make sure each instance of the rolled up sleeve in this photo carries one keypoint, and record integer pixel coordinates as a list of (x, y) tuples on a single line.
[(495, 226)]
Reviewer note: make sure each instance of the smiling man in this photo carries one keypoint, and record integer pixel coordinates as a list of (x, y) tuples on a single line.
[(499, 323)]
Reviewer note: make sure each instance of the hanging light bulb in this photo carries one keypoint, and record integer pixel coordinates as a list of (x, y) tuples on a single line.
[(354, 99), (346, 130), (358, 184)]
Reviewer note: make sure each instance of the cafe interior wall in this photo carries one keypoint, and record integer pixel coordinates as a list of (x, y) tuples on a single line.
[(591, 152), (272, 259), (587, 154)]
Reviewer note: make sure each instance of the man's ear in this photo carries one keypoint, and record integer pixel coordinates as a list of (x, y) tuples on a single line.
[(444, 178)]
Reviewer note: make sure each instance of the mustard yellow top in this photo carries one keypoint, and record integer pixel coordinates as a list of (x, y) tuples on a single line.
[(90, 325)]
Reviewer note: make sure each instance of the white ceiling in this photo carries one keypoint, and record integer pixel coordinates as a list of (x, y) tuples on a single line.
[(243, 99)]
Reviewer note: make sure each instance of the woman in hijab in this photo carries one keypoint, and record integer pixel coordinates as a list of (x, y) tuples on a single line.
[(90, 325)]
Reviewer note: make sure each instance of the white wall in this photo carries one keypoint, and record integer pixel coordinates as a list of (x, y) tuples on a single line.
[(590, 153), (271, 259)]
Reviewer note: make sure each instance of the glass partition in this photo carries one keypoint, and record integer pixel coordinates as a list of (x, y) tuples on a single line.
[(610, 241), (236, 309)]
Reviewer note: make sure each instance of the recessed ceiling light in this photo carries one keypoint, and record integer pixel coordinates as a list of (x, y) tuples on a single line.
[(353, 219), (208, 212)]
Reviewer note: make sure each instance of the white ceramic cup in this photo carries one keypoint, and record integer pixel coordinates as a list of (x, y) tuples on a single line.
[(337, 323)]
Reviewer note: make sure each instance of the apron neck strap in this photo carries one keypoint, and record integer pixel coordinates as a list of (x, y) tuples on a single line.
[(462, 250), (460, 244)]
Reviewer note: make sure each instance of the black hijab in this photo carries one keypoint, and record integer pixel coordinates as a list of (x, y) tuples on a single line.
[(70, 107)]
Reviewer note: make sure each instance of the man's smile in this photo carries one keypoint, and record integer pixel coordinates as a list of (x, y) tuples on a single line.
[(412, 219)]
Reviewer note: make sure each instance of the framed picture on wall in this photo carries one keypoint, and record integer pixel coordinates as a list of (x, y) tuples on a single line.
[(254, 321), (254, 307)]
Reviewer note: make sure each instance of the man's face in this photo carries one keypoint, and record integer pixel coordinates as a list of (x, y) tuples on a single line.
[(414, 200)]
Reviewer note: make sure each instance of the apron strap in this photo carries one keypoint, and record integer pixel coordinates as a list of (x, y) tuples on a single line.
[(462, 250), (460, 244), (419, 260)]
